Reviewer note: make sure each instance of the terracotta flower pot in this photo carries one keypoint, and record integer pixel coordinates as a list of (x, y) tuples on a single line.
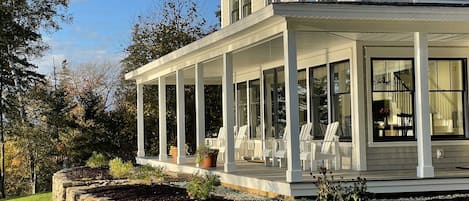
[(210, 160), (174, 153)]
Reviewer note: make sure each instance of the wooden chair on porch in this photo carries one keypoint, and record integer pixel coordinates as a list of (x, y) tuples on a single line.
[(330, 150), (281, 153), (240, 142)]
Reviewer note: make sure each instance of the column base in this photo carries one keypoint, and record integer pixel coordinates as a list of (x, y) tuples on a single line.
[(181, 160), (294, 176), (163, 157), (229, 167), (140, 154), (425, 171)]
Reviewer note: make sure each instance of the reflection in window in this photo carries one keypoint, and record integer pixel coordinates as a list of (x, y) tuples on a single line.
[(446, 97), (341, 102), (302, 93), (319, 111), (275, 111), (242, 104), (255, 109), (234, 11), (393, 95), (247, 8)]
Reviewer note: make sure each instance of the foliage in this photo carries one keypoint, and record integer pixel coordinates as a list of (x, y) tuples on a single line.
[(36, 197), (149, 174), (96, 160), (119, 169), (201, 186), (331, 190), (202, 151)]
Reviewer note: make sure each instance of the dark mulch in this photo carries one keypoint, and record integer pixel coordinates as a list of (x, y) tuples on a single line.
[(80, 173), (143, 193)]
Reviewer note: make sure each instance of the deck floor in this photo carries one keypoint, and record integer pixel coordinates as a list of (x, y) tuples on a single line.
[(254, 174)]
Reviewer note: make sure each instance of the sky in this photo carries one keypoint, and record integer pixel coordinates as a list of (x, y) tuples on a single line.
[(100, 30)]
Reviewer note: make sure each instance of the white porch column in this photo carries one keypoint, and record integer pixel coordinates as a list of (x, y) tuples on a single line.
[(228, 117), (162, 118), (140, 127), (199, 104), (422, 107), (180, 113), (294, 173)]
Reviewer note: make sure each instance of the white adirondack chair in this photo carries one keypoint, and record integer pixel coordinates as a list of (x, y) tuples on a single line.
[(240, 142), (330, 150), (281, 152)]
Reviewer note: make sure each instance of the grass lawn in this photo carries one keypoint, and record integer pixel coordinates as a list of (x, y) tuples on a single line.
[(37, 197)]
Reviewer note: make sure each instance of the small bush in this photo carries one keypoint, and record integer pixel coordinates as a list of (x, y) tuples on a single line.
[(201, 186), (148, 174), (96, 160), (119, 169), (329, 189)]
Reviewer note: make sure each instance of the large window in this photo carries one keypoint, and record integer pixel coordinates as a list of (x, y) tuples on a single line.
[(446, 85), (302, 97), (393, 98), (255, 109), (319, 110), (341, 105), (242, 104)]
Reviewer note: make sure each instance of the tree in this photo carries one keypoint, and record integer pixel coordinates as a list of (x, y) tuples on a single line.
[(20, 40), (175, 25)]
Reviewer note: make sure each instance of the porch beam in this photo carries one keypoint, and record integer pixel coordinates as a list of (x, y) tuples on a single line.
[(140, 126), (422, 107), (228, 116), (162, 118), (293, 173), (180, 119), (199, 104)]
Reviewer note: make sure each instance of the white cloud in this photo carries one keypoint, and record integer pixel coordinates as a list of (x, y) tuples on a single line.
[(47, 62)]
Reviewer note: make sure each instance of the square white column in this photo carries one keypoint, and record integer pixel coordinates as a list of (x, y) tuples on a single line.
[(199, 104), (180, 117), (162, 118), (228, 117), (294, 173), (422, 107), (140, 126)]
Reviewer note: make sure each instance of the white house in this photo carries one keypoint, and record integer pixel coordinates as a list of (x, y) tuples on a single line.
[(392, 73)]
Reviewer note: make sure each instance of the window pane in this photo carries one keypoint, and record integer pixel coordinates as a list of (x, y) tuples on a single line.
[(445, 75), (392, 75), (392, 114), (446, 113), (342, 115), (275, 111), (318, 108), (242, 104), (302, 96), (255, 109), (341, 77)]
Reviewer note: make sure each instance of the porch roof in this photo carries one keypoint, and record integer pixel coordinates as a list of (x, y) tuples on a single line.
[(353, 19)]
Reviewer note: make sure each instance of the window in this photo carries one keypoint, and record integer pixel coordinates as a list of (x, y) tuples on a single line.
[(247, 8), (447, 89), (275, 111), (234, 11), (255, 109), (319, 110), (242, 104), (393, 96), (341, 102), (302, 94)]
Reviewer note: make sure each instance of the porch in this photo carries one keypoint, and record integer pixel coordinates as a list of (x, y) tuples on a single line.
[(271, 181)]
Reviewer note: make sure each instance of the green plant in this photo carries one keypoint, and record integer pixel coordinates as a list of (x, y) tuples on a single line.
[(201, 186), (330, 189), (119, 169), (96, 160), (149, 174), (202, 151)]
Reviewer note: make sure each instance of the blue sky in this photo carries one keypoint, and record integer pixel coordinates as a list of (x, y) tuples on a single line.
[(100, 30)]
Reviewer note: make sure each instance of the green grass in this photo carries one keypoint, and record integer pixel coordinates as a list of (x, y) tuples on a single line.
[(37, 197)]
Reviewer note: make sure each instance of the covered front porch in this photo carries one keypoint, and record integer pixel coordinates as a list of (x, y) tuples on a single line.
[(280, 70)]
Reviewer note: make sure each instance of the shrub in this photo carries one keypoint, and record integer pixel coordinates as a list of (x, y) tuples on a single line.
[(96, 160), (148, 174), (201, 186), (329, 189), (119, 169)]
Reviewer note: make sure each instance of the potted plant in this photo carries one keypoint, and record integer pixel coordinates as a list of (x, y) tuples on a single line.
[(206, 157), (173, 152)]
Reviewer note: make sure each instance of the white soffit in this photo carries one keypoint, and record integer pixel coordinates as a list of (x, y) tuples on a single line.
[(402, 37)]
